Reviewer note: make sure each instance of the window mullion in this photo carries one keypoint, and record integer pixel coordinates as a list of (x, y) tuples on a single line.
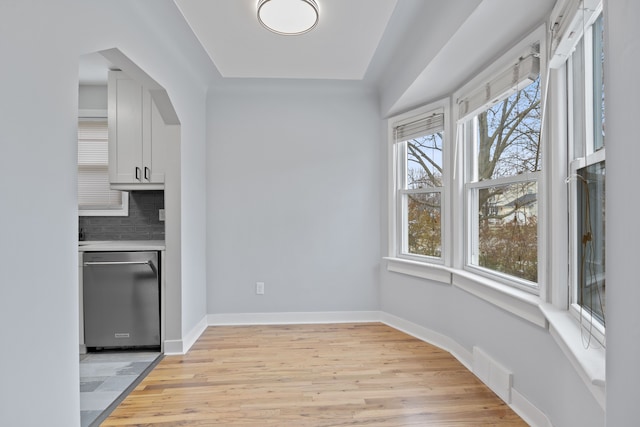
[(487, 183)]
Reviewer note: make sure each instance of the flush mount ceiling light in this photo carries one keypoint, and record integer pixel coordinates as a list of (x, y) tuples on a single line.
[(288, 17)]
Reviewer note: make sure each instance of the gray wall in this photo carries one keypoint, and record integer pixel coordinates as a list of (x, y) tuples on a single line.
[(541, 372), (292, 198), (41, 42), (142, 223), (622, 60), (93, 97)]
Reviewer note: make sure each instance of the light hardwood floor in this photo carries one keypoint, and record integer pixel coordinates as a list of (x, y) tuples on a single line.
[(364, 374)]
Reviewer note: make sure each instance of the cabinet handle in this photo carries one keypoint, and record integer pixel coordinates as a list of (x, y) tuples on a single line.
[(147, 173), (138, 171)]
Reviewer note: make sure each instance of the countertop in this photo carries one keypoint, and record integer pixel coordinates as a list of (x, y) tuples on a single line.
[(121, 245)]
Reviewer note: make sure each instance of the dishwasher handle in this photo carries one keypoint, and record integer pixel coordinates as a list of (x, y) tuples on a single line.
[(148, 262)]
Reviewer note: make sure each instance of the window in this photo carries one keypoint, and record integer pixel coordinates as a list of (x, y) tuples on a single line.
[(587, 177), (95, 196), (419, 145), (501, 127)]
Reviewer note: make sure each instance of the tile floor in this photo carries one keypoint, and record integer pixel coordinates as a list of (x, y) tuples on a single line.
[(107, 377)]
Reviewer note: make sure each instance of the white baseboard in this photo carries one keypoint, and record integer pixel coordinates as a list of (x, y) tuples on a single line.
[(527, 411), (293, 318), (520, 405), (177, 347), (427, 335), (172, 347), (190, 339)]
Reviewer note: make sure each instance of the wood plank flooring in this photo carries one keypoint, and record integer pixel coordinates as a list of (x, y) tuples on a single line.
[(365, 374)]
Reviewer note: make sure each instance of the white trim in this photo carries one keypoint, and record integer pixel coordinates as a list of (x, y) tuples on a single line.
[(523, 407), (588, 362), (569, 19), (182, 346), (427, 335), (527, 410), (464, 218), (285, 318), (136, 186), (497, 182), (509, 298), (423, 270), (173, 347), (395, 226), (192, 336)]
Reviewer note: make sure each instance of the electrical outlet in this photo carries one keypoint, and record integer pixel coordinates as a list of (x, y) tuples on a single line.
[(260, 288), (161, 214)]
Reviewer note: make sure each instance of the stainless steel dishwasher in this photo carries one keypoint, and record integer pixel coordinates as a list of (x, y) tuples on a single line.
[(121, 299)]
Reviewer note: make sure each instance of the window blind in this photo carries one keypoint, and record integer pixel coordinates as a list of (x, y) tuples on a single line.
[(94, 190), (511, 80), (422, 126), (569, 18)]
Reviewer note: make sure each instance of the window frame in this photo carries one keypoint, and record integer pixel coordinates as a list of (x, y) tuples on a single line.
[(581, 153), (398, 227), (465, 131), (452, 269), (123, 208)]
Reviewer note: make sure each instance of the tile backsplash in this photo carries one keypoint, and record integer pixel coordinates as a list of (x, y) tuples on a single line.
[(143, 222)]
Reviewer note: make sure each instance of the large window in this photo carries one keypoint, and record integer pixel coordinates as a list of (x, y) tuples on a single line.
[(587, 177), (503, 162), (419, 144)]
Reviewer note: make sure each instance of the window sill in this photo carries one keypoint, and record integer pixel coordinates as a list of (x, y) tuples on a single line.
[(518, 302), (515, 301), (437, 273), (588, 362)]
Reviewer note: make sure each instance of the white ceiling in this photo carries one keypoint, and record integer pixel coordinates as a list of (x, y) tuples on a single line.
[(340, 47), (411, 50)]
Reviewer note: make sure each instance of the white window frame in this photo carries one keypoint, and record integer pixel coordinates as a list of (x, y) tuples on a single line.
[(397, 219), (451, 271), (123, 208), (586, 355), (465, 129), (590, 325)]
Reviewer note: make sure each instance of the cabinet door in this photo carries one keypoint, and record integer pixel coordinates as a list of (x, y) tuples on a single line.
[(126, 129), (154, 150)]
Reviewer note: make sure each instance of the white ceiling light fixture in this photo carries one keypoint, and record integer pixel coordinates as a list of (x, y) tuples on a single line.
[(288, 17)]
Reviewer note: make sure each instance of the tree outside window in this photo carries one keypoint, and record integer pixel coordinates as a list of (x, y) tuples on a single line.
[(420, 183), (506, 155)]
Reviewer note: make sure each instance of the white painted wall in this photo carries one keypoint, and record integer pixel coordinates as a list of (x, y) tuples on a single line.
[(623, 233), (292, 198), (40, 42)]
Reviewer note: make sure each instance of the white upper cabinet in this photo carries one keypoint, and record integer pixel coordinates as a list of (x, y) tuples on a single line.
[(137, 136)]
